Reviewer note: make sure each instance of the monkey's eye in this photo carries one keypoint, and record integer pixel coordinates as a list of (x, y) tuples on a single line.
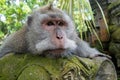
[(50, 23), (61, 23)]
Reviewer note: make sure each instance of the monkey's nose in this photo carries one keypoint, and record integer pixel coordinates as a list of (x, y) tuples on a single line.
[(59, 37)]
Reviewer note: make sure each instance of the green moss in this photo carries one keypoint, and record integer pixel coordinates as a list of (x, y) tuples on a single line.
[(34, 67), (34, 72), (115, 35), (112, 28)]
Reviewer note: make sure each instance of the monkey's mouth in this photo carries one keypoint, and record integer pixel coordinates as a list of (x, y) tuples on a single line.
[(54, 53), (57, 50)]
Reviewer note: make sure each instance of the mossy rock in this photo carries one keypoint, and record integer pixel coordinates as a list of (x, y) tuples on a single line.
[(116, 35), (115, 49), (34, 67), (113, 28)]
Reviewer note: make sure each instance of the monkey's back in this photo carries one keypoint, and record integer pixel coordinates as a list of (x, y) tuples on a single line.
[(17, 41)]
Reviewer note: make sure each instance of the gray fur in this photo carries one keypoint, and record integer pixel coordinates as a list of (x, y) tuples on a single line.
[(34, 39)]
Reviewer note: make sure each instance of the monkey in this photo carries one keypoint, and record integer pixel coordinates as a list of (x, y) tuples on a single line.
[(48, 31)]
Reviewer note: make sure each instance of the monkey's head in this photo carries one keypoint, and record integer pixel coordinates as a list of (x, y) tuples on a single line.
[(52, 30)]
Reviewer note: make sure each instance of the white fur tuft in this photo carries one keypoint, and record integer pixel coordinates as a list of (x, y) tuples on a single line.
[(70, 44)]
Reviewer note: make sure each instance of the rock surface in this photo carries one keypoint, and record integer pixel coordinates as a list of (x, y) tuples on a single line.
[(31, 67), (114, 46)]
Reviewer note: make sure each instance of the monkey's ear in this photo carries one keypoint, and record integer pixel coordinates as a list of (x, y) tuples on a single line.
[(29, 20)]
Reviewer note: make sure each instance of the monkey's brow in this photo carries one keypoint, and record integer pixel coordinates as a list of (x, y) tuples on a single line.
[(52, 19), (55, 15)]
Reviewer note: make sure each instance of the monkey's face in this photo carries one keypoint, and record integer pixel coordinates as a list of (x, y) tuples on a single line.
[(54, 31)]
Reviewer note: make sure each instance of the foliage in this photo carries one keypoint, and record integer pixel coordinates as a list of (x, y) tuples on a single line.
[(114, 4), (13, 15), (112, 8)]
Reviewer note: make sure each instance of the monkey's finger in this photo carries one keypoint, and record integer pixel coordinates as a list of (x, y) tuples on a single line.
[(103, 55)]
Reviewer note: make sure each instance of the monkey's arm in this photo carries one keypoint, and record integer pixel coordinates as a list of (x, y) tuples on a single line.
[(84, 50), (13, 43)]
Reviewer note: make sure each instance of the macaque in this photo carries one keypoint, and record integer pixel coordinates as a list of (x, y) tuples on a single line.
[(48, 31)]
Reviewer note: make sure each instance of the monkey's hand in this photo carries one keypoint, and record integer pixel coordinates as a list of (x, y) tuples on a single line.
[(101, 55), (84, 50), (4, 50)]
